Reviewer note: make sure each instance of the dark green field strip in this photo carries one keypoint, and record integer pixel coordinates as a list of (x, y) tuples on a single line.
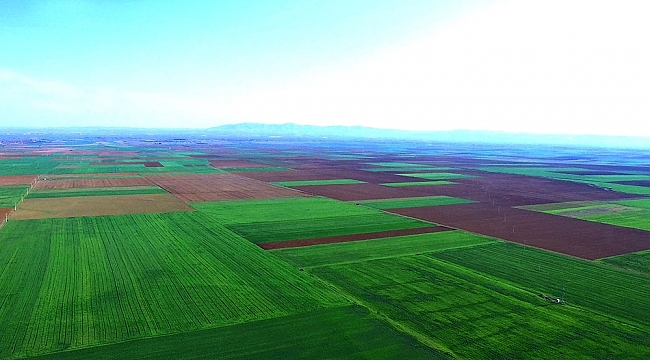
[(337, 333), (11, 195), (130, 190), (398, 203), (299, 208), (269, 231), (80, 282), (438, 176), (318, 182), (638, 262), (419, 183), (356, 251), (476, 317), (602, 289)]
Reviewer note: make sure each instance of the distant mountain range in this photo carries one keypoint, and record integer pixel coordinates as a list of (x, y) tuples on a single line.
[(254, 130), (260, 131)]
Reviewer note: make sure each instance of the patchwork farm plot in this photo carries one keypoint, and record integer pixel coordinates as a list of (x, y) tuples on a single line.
[(211, 247)]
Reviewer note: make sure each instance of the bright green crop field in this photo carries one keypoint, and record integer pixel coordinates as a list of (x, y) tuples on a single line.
[(358, 251), (601, 289), (349, 332), (385, 204), (77, 282), (11, 195), (478, 317)]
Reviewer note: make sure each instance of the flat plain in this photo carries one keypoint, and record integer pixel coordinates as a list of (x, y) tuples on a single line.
[(202, 247)]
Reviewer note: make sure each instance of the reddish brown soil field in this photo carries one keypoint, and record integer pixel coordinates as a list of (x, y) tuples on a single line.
[(97, 205), (354, 192), (348, 238), (579, 238), (219, 187), (3, 214), (234, 164), (86, 183), (17, 180), (293, 175)]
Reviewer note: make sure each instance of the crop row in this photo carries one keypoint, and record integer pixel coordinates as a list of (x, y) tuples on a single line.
[(67, 283)]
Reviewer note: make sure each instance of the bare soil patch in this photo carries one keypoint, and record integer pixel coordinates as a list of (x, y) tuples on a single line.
[(348, 238), (97, 206), (17, 180), (575, 237), (234, 164), (53, 183), (227, 186), (354, 192)]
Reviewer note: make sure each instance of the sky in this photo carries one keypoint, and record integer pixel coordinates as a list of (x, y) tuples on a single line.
[(557, 67)]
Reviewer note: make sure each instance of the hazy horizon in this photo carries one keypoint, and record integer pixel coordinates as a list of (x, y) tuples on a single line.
[(556, 67)]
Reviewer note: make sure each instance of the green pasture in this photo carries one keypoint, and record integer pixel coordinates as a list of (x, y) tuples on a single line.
[(419, 183), (637, 262), (99, 191), (621, 295), (359, 251), (438, 176), (385, 204), (80, 282), (11, 195), (349, 332), (480, 317), (318, 182), (27, 166)]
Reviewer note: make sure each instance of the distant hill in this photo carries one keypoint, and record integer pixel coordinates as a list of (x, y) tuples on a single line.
[(253, 130)]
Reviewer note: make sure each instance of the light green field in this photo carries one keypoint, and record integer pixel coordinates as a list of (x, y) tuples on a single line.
[(601, 289), (638, 262), (385, 204), (438, 176), (318, 182), (100, 191), (358, 251), (478, 317), (419, 183), (11, 195), (78, 282), (348, 332)]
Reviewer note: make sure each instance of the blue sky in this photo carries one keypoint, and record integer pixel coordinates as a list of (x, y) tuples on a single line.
[(512, 65)]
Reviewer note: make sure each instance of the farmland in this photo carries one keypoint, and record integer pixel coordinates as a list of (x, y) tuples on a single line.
[(208, 247)]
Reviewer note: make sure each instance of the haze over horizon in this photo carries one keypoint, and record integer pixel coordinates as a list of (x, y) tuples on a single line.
[(554, 67)]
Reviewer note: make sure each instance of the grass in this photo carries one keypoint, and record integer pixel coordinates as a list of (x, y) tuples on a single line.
[(348, 332), (79, 282), (27, 166), (11, 195), (478, 317), (263, 210), (438, 176), (318, 182), (592, 286), (419, 183), (357, 251), (100, 191), (638, 262), (282, 230), (385, 204)]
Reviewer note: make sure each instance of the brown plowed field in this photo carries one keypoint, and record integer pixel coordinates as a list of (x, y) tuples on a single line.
[(97, 205), (89, 183), (354, 192), (292, 175), (17, 180), (219, 187), (348, 238), (234, 164), (580, 238), (645, 183)]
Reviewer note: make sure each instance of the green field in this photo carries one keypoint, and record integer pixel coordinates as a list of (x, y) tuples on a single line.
[(100, 191), (419, 183), (438, 176), (638, 262), (11, 195), (385, 204), (336, 333), (478, 317), (358, 251), (78, 282), (601, 289), (318, 182)]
